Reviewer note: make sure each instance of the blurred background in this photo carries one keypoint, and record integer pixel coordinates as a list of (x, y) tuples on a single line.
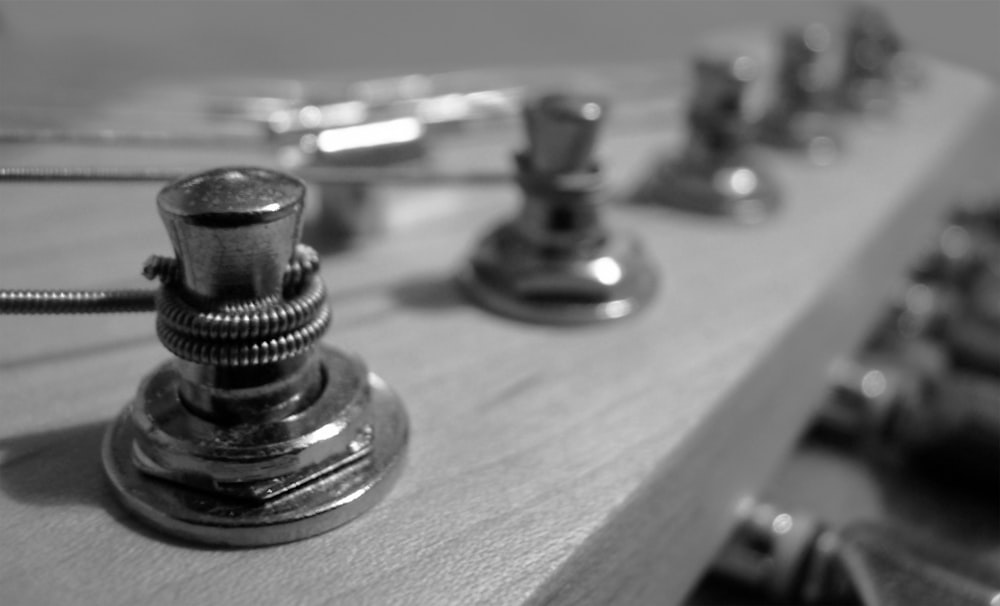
[(103, 45)]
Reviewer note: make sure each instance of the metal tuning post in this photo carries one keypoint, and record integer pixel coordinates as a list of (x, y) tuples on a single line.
[(799, 118), (717, 173), (874, 61), (255, 433), (558, 261)]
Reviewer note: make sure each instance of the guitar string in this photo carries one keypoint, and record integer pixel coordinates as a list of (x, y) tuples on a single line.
[(316, 174)]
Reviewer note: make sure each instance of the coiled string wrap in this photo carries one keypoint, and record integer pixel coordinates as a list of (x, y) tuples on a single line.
[(247, 333)]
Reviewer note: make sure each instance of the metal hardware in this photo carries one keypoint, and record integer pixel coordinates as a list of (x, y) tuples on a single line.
[(717, 173), (439, 108), (795, 558), (255, 434), (956, 295), (874, 62), (908, 399), (349, 211), (558, 262), (790, 557), (799, 118)]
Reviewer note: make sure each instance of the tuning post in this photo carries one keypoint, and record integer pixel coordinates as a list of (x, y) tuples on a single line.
[(255, 433), (558, 261), (875, 63), (799, 118), (717, 173)]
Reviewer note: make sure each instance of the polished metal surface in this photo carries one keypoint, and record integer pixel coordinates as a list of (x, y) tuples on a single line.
[(254, 434), (352, 211), (799, 118), (558, 262), (795, 558), (717, 173), (874, 63), (287, 509), (769, 550)]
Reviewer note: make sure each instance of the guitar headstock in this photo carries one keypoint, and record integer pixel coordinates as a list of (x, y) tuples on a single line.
[(547, 464)]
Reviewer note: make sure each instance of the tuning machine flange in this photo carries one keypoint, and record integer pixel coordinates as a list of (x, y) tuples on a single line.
[(255, 433), (558, 261), (718, 172)]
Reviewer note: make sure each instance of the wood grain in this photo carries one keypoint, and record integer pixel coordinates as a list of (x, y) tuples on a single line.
[(547, 466)]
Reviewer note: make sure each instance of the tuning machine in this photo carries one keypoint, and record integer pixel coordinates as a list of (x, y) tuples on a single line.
[(875, 63), (558, 261), (799, 118), (798, 558), (904, 395), (718, 172)]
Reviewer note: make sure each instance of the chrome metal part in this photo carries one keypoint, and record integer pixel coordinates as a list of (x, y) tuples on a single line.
[(349, 211), (717, 173), (799, 118), (874, 62), (254, 434), (788, 556), (906, 398), (558, 262), (794, 558)]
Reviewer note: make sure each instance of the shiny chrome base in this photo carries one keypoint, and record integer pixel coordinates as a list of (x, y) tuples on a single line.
[(315, 471), (738, 189), (607, 281)]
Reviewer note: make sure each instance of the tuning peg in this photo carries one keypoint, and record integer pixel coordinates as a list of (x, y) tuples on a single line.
[(797, 558), (558, 261), (562, 133), (717, 173), (799, 118), (874, 62), (908, 399), (255, 433)]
